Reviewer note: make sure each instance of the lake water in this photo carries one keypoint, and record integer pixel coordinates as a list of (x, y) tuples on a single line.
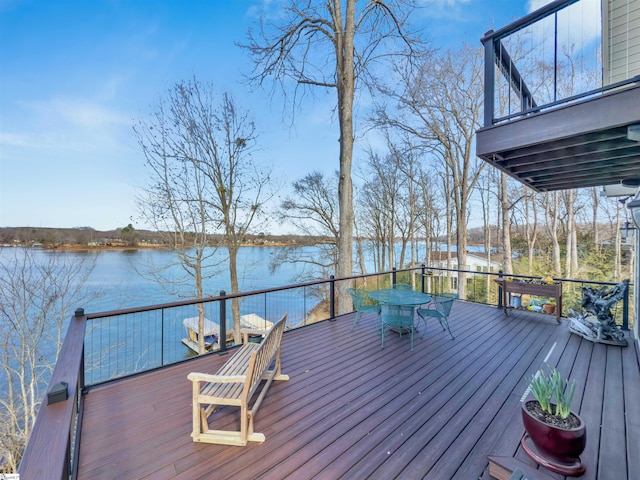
[(119, 274), (149, 340), (123, 344), (122, 275)]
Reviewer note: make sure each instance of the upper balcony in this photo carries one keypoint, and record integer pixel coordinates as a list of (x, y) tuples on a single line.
[(562, 96)]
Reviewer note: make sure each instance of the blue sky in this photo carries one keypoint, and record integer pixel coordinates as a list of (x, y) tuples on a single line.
[(76, 75)]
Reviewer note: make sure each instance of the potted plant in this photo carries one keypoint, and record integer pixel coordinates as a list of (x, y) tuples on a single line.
[(549, 307), (555, 437)]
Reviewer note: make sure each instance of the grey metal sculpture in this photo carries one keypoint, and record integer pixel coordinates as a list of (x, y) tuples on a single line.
[(597, 323)]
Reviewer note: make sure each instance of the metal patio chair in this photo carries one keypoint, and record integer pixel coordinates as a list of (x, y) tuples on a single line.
[(399, 318), (439, 308), (362, 304)]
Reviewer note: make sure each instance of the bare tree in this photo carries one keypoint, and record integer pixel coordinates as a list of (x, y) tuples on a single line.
[(198, 147), (531, 226), (441, 104), (595, 205), (506, 205), (571, 260), (374, 211), (429, 212), (336, 45), (552, 215), (38, 293), (379, 196), (407, 157), (313, 210)]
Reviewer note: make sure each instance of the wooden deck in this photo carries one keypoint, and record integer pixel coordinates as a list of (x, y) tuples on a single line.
[(354, 410)]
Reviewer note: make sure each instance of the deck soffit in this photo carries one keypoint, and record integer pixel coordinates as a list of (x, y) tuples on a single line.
[(576, 146)]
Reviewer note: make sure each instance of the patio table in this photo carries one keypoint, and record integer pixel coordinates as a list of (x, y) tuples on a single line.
[(391, 296), (406, 298)]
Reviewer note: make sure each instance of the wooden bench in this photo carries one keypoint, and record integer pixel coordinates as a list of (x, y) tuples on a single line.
[(234, 384)]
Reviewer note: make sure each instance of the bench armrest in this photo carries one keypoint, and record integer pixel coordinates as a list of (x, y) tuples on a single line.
[(204, 377), (254, 331), (251, 331)]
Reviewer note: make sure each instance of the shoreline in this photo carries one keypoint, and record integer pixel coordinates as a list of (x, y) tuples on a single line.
[(85, 248)]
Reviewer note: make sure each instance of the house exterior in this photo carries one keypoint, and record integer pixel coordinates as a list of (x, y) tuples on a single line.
[(479, 262), (620, 40)]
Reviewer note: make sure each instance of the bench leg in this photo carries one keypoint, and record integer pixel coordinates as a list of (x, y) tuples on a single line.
[(246, 424), (197, 412), (278, 373), (225, 437)]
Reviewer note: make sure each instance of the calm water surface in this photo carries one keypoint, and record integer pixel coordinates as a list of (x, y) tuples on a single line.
[(125, 282), (121, 345)]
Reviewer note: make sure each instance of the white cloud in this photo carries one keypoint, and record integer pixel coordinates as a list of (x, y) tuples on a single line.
[(533, 5), (16, 139), (266, 9), (64, 124), (579, 23), (77, 113)]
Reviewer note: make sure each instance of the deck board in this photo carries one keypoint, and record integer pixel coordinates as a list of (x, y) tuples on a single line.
[(613, 459), (353, 410), (631, 384)]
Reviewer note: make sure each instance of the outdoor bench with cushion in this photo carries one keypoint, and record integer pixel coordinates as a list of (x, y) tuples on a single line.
[(235, 384)]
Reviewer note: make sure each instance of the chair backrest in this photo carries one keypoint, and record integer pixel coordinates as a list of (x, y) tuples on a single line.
[(444, 302), (397, 315), (360, 298), (450, 295), (402, 286)]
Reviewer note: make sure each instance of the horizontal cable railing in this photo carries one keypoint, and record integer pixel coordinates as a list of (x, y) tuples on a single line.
[(121, 343), (105, 346), (126, 342)]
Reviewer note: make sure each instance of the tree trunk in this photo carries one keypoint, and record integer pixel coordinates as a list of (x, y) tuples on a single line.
[(568, 198), (506, 224), (461, 242), (449, 228), (199, 294), (617, 269), (235, 304), (531, 230), (552, 219), (345, 74), (595, 198)]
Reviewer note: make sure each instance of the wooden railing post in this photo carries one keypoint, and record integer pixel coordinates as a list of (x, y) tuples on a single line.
[(423, 270)]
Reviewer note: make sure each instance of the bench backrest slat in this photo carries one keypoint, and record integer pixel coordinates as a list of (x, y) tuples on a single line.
[(262, 357)]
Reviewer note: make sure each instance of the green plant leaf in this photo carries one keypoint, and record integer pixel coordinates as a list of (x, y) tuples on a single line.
[(547, 387)]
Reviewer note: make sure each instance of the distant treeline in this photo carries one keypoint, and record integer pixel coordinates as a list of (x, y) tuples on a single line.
[(126, 237)]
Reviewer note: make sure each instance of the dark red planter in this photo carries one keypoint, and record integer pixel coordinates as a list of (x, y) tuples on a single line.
[(555, 448)]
